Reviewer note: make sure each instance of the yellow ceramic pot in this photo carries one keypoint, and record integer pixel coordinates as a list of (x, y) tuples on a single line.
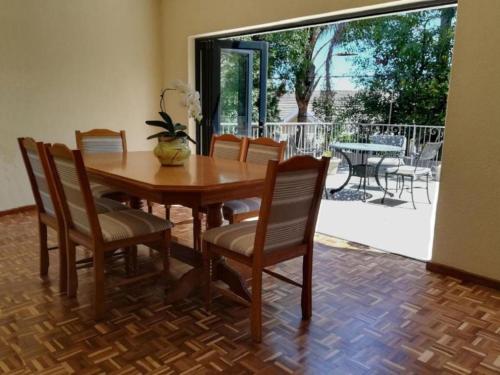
[(172, 151)]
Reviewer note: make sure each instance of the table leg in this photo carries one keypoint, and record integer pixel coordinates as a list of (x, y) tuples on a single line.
[(349, 163), (136, 202), (214, 216), (192, 280)]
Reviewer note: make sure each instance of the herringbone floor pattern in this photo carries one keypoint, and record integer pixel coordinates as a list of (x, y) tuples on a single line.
[(374, 313)]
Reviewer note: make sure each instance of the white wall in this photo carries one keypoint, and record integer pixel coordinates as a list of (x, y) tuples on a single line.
[(467, 232), (67, 65)]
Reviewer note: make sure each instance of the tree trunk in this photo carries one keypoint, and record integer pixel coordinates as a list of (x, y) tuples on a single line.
[(302, 104)]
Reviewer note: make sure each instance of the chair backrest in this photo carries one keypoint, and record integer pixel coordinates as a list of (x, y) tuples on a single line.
[(290, 203), (101, 140), (72, 184), (261, 150), (430, 151), (391, 140), (227, 146), (35, 161)]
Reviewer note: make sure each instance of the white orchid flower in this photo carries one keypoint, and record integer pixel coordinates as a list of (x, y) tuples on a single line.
[(190, 99)]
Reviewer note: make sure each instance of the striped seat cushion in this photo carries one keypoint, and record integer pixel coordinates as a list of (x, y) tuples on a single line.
[(261, 154), (227, 150), (100, 190), (409, 170), (120, 225), (235, 237), (241, 206), (102, 144)]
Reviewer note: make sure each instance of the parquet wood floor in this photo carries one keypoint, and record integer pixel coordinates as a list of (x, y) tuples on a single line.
[(374, 313)]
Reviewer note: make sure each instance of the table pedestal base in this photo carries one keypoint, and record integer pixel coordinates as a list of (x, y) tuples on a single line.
[(192, 280)]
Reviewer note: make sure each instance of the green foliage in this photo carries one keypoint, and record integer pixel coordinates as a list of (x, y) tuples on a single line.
[(171, 130), (403, 59), (324, 107)]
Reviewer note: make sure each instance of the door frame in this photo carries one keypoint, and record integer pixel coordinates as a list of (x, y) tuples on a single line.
[(210, 49)]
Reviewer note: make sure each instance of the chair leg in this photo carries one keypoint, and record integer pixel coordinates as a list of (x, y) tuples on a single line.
[(128, 261), (364, 189), (427, 190), (44, 249), (196, 229), (411, 189), (402, 186), (256, 306), (71, 264), (385, 190), (207, 275), (63, 261), (307, 285), (167, 212), (98, 284)]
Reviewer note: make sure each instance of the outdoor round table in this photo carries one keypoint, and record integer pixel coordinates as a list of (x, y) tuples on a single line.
[(364, 170)]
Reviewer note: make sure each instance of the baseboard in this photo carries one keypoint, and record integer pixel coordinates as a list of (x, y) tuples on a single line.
[(463, 275), (18, 210)]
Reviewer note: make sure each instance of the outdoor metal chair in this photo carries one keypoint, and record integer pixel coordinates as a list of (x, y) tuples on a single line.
[(392, 140), (421, 168)]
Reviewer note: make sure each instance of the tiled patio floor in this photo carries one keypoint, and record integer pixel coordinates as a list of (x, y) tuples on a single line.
[(394, 227)]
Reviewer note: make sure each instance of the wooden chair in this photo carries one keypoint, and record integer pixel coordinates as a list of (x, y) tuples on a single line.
[(285, 230), (105, 140), (102, 140), (47, 211), (48, 206), (225, 146), (258, 151), (101, 233)]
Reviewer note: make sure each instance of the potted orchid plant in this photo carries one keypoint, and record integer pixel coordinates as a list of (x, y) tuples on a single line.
[(172, 147)]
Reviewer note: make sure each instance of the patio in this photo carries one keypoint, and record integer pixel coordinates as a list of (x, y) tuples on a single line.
[(393, 226)]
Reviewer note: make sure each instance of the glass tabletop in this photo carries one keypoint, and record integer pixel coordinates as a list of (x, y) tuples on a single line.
[(368, 147)]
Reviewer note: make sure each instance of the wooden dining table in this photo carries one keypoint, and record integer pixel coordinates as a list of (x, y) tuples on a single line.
[(203, 183)]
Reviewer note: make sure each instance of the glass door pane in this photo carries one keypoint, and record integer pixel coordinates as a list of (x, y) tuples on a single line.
[(236, 86)]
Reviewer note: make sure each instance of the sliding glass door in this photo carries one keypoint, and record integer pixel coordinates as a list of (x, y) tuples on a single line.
[(232, 79)]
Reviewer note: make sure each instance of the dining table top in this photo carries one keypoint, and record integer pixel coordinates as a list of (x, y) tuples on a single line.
[(199, 173), (365, 147)]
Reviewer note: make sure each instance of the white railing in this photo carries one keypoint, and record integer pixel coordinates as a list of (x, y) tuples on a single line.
[(315, 138)]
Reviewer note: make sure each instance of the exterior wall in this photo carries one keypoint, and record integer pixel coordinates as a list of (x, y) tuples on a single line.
[(467, 232), (68, 65)]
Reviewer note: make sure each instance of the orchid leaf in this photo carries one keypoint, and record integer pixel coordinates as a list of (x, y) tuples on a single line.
[(184, 134), (160, 134), (166, 117), (164, 125), (179, 127)]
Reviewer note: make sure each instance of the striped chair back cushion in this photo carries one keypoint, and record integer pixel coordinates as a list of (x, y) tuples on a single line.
[(41, 182), (74, 198), (102, 144), (261, 154), (292, 202), (227, 150)]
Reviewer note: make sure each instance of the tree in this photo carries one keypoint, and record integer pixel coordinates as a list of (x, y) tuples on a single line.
[(292, 64), (402, 65)]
